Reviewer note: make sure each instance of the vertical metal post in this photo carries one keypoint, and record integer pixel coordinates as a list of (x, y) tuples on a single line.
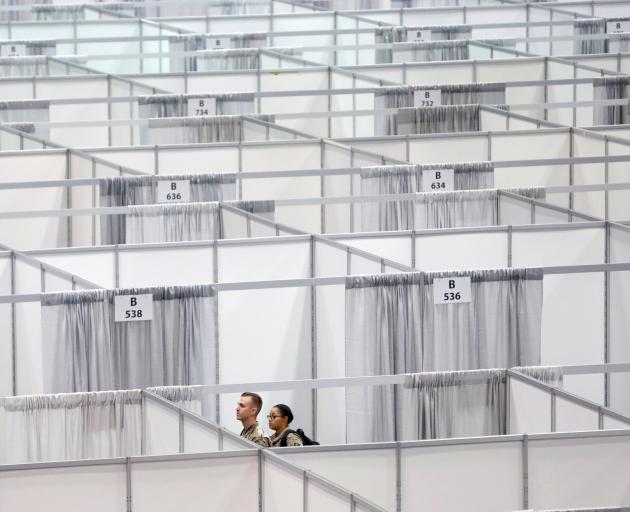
[(398, 477), (217, 340), (546, 88), (574, 93), (181, 432), (312, 274), (13, 327), (552, 426), (69, 196), (305, 491), (322, 180), (413, 248), (116, 267), (109, 110), (93, 202), (42, 278), (329, 95), (607, 319), (606, 179), (261, 467), (509, 246), (128, 484), (525, 460)]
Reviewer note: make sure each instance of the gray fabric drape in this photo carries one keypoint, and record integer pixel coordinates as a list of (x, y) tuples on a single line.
[(192, 130), (85, 349), (393, 326), (195, 399), (388, 35), (430, 51), (27, 111), (181, 44), (142, 190), (451, 94), (454, 404), (611, 88), (586, 27), (452, 118), (176, 105), (228, 60), (58, 12), (175, 222), (431, 210), (40, 428), (548, 374), (619, 43), (23, 66)]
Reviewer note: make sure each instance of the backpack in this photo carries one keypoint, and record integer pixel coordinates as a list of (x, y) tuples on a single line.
[(306, 441)]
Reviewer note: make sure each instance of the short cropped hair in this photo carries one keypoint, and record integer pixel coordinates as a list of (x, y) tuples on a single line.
[(256, 399)]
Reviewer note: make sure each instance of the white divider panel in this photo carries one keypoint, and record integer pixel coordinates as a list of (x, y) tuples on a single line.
[(571, 417), (461, 251), (530, 408), (431, 149), (165, 266), (199, 438), (619, 206), (579, 473), (55, 283), (558, 247), (321, 499), (589, 386), (6, 370), (97, 488), (362, 265), (573, 328), (214, 485), (161, 428), (591, 203), (614, 424), (258, 262), (234, 224), (462, 477), (283, 490), (395, 248), (369, 473), (95, 266), (329, 260)]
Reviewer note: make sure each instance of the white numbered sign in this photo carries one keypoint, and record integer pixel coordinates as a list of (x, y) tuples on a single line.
[(451, 290), (438, 180), (133, 308), (617, 27), (414, 36), (12, 50), (220, 43), (176, 191), (427, 98), (202, 107)]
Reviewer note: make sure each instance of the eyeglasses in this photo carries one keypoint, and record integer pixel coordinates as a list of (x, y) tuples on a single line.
[(271, 417)]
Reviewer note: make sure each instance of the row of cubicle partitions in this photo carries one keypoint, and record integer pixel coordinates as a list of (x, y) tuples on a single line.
[(167, 435)]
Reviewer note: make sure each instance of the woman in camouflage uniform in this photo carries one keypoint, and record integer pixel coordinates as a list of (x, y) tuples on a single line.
[(279, 418)]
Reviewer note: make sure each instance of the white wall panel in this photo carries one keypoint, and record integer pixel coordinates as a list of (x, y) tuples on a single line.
[(72, 489), (370, 473), (571, 417), (558, 247), (396, 248), (214, 485), (578, 473), (452, 478), (95, 266), (161, 428), (198, 438), (530, 408), (282, 489)]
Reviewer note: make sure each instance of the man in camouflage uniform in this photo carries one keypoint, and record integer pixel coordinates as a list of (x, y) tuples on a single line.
[(247, 409)]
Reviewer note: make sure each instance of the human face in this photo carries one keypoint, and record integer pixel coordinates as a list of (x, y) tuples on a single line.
[(245, 408), (277, 421)]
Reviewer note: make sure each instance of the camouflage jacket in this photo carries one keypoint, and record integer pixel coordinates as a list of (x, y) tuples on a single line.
[(255, 434)]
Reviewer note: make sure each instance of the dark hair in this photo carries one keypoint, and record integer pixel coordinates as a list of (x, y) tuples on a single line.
[(255, 399), (286, 411)]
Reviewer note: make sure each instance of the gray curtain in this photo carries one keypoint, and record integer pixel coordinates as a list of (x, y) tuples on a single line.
[(23, 66), (181, 44), (142, 190), (454, 404), (451, 94), (388, 35), (192, 130), (451, 118), (58, 12), (619, 43), (195, 399), (611, 88), (430, 51), (228, 60), (176, 105), (393, 327), (550, 375), (41, 428), (587, 27), (27, 111), (86, 350)]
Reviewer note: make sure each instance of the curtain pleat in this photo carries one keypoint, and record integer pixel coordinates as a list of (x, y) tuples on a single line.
[(611, 88), (393, 327), (85, 349), (41, 428)]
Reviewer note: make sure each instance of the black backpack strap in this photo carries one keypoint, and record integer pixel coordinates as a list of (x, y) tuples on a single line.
[(285, 434)]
